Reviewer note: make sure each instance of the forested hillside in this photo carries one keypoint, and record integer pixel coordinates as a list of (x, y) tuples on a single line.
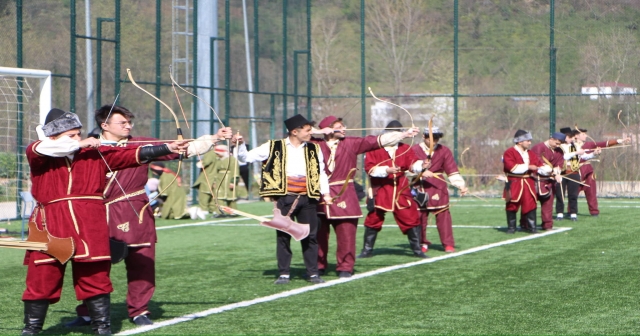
[(504, 51)]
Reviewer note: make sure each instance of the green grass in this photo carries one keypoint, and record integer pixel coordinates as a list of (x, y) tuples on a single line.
[(583, 281)]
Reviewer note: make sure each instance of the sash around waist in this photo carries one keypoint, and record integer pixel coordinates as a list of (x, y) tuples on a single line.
[(518, 175), (96, 198), (124, 197)]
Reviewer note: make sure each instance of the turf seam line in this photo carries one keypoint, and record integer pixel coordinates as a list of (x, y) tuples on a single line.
[(242, 304)]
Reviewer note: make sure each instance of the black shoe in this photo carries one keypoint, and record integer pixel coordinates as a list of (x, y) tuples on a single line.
[(281, 281), (420, 255), (365, 254), (344, 274), (594, 215), (78, 322), (142, 320), (220, 215), (315, 279)]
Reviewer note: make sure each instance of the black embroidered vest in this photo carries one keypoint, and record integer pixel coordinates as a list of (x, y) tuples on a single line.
[(274, 170)]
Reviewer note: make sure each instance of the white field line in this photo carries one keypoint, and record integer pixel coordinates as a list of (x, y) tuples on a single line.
[(360, 225), (217, 310)]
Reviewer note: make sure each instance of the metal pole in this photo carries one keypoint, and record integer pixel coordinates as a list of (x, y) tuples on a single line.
[(215, 81), (256, 46), (309, 74), (194, 100), (295, 81), (89, 65), (156, 132), (252, 112), (284, 64), (363, 82), (227, 61), (455, 80), (552, 69), (117, 49), (19, 64), (98, 90), (72, 56)]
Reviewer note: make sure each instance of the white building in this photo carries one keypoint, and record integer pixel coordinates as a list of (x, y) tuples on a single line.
[(606, 88)]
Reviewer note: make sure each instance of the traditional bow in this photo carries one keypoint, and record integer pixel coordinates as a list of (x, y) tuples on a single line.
[(410, 117), (214, 195), (179, 137)]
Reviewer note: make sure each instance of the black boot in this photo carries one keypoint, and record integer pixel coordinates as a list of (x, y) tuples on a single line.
[(100, 312), (414, 242), (370, 236), (34, 313), (511, 221), (531, 221)]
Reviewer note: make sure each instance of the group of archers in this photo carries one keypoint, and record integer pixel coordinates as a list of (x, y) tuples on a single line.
[(92, 190)]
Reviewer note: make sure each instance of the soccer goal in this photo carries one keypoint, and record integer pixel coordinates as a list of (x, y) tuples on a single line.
[(25, 100)]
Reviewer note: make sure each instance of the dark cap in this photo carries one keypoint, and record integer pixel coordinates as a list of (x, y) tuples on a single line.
[(328, 121), (566, 130), (297, 121), (393, 125), (559, 136)]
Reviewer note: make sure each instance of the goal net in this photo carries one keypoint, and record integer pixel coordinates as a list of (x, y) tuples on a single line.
[(25, 100)]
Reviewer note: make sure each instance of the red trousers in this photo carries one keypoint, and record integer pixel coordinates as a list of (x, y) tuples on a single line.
[(44, 282), (591, 193), (345, 230), (443, 223), (141, 281), (546, 209), (405, 218)]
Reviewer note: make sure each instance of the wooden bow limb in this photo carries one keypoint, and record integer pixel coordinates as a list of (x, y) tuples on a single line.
[(572, 180), (461, 157), (410, 117), (455, 186), (179, 137), (184, 116), (235, 170), (345, 185), (618, 146), (374, 128), (215, 196)]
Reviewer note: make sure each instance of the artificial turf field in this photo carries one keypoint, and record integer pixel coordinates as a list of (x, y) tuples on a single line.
[(580, 281)]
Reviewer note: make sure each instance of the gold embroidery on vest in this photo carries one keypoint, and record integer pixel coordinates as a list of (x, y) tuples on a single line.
[(313, 183), (274, 180)]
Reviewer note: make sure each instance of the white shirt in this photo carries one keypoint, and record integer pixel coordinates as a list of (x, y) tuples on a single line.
[(296, 162)]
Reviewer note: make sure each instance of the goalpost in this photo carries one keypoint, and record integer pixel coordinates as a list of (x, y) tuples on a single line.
[(25, 100)]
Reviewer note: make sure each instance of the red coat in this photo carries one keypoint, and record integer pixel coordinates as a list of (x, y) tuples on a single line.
[(555, 157), (124, 223), (585, 167), (346, 158), (520, 183), (391, 192), (441, 162), (56, 179)]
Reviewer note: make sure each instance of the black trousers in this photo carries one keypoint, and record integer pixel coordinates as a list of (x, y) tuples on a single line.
[(305, 212), (244, 174), (572, 189)]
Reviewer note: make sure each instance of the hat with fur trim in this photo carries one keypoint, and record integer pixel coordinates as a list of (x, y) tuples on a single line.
[(522, 135), (59, 121)]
